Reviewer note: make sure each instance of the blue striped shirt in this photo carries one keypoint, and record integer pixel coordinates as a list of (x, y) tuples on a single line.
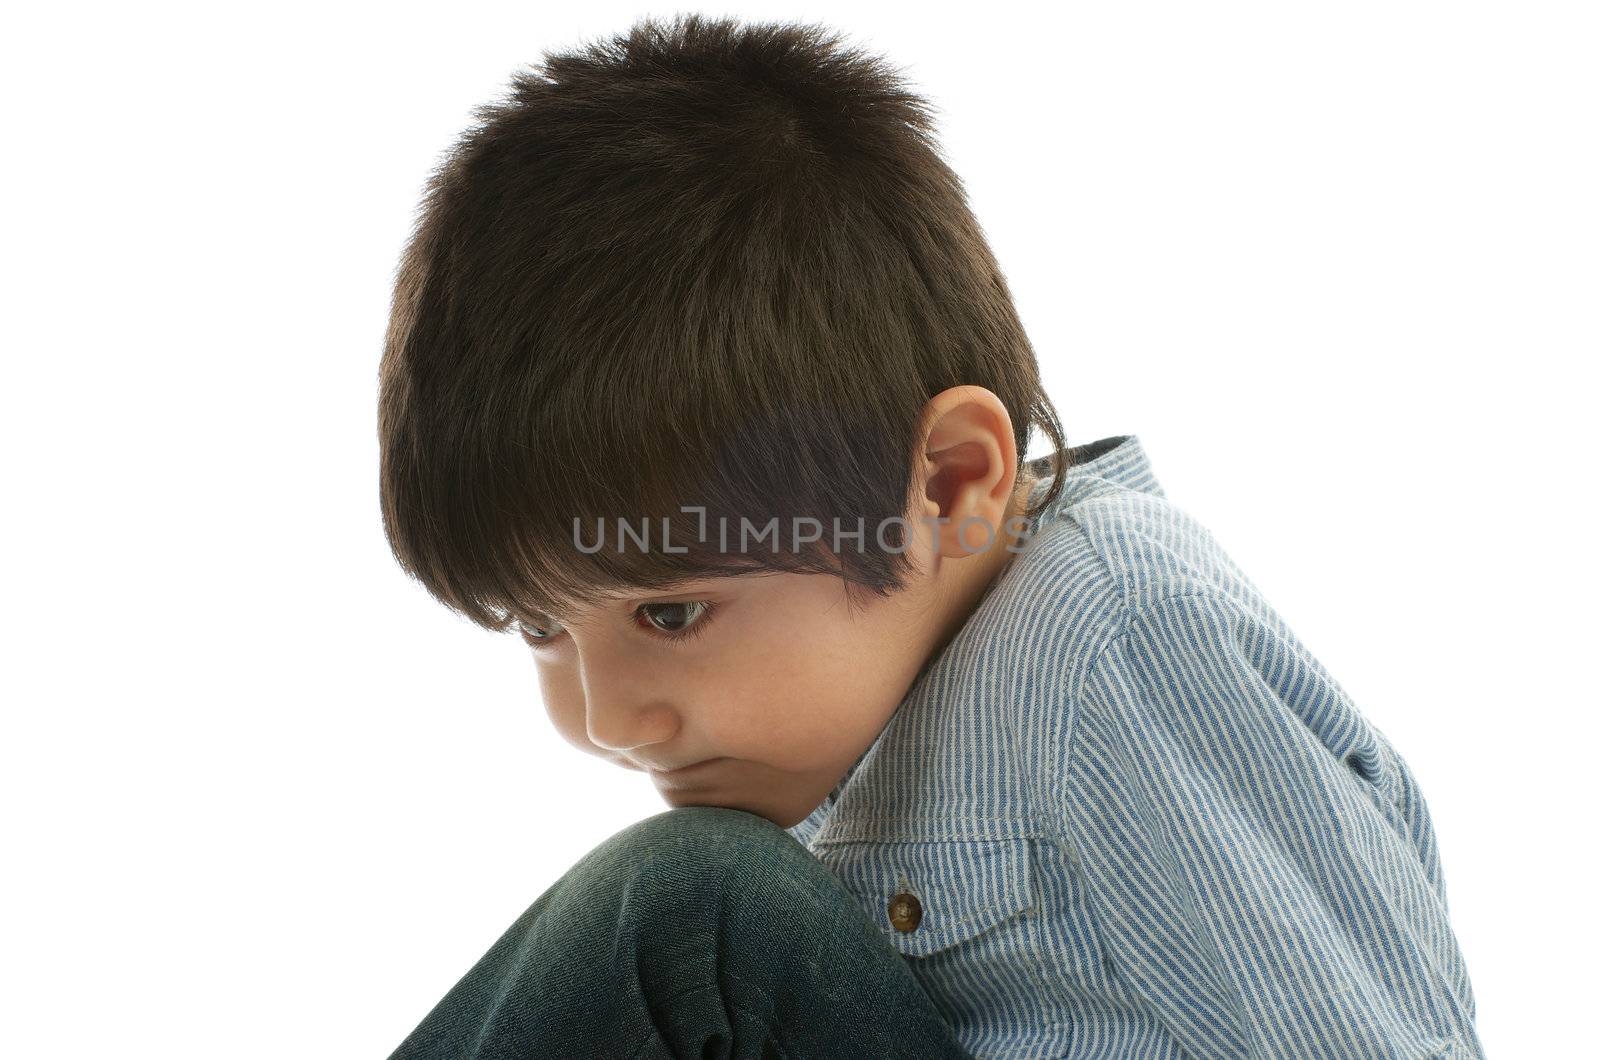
[(1142, 820)]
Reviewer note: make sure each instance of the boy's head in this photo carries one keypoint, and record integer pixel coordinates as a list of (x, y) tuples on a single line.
[(706, 280)]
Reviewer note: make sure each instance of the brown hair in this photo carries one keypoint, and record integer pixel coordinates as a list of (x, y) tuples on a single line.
[(697, 264)]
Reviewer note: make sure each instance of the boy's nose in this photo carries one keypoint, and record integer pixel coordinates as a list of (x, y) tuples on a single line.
[(619, 722), (623, 731)]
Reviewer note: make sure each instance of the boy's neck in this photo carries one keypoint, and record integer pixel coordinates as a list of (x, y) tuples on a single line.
[(972, 577)]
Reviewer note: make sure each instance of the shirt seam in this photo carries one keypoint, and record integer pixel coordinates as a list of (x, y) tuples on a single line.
[(1066, 509), (1131, 618)]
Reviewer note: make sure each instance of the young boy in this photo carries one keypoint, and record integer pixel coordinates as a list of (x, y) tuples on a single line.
[(701, 376)]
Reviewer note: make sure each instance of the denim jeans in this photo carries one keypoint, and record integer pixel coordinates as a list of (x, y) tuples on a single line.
[(699, 932)]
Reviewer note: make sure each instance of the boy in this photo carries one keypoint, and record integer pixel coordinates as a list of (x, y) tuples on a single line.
[(702, 377)]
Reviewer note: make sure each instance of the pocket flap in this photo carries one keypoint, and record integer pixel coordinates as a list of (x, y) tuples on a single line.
[(963, 887)]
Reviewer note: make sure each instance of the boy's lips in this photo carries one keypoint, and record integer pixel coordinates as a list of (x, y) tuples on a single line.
[(684, 771)]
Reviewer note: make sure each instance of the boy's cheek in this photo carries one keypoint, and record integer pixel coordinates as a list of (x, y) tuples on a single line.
[(563, 704)]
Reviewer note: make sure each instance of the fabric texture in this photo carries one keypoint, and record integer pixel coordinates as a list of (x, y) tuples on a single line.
[(1142, 820), (702, 932)]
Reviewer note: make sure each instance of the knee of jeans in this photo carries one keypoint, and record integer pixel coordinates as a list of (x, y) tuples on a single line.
[(706, 842), (712, 866), (707, 828)]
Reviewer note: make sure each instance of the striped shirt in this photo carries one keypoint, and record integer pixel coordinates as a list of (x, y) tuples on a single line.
[(1141, 819)]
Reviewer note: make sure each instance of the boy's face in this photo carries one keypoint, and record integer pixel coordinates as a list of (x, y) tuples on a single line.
[(779, 689), (769, 684)]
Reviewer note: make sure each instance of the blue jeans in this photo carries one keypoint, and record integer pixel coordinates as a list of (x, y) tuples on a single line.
[(699, 932)]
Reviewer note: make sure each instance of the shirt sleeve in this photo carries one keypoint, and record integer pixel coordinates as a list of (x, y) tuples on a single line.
[(1250, 885)]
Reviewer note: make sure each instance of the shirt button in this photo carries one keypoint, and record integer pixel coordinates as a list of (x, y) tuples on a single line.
[(905, 912)]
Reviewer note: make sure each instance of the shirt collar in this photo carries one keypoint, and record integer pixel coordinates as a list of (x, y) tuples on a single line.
[(1118, 460)]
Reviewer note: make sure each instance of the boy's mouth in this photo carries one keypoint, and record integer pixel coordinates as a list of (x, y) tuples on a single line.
[(691, 765), (684, 772)]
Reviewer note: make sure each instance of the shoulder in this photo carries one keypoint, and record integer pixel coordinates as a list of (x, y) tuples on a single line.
[(1152, 548), (1106, 552), (1114, 567)]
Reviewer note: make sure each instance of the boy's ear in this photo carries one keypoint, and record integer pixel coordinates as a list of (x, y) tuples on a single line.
[(968, 470)]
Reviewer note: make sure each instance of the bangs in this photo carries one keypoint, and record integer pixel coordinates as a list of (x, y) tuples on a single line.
[(534, 530)]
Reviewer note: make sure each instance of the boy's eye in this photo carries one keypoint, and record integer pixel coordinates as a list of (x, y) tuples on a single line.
[(674, 621), (675, 618), (546, 630)]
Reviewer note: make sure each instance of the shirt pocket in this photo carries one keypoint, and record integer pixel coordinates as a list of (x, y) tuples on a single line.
[(960, 892), (1002, 940)]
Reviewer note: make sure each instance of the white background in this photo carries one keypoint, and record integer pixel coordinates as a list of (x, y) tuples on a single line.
[(1335, 264)]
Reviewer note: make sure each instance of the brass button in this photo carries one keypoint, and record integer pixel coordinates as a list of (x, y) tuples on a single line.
[(905, 912)]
